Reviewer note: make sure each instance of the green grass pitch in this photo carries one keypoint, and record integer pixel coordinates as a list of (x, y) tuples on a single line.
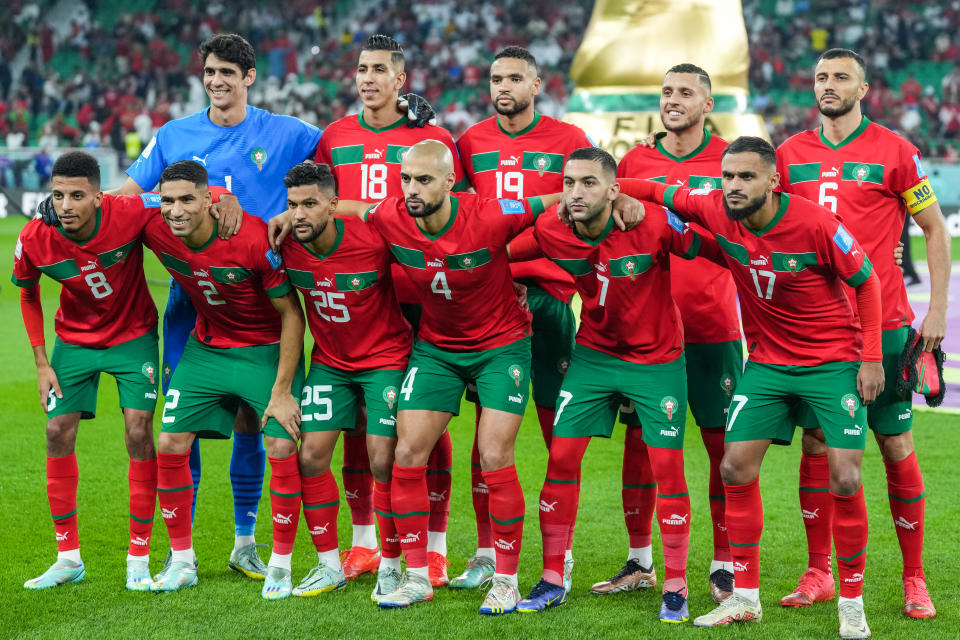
[(227, 605)]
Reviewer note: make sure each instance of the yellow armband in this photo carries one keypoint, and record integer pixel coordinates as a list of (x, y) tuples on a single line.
[(919, 197)]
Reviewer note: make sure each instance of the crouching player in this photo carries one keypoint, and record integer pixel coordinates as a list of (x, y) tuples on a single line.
[(362, 343), (247, 347)]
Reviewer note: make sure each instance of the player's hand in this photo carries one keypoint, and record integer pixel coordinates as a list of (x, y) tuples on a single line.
[(898, 254), (650, 141), (870, 381), (47, 213), (521, 291), (933, 329), (564, 215), (419, 111), (47, 380), (285, 409), (278, 228), (627, 212), (230, 214)]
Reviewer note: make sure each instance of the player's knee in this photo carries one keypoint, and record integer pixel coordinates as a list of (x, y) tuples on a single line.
[(895, 448), (734, 471), (493, 458), (174, 443), (313, 462), (61, 435), (813, 442), (845, 482), (381, 465), (411, 453), (139, 426), (280, 448)]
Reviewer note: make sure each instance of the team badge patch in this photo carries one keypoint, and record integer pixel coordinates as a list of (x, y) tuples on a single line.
[(851, 403), (631, 268), (390, 396), (510, 207), (541, 162), (562, 365), (515, 372), (150, 371), (791, 263), (861, 172), (467, 263), (150, 200), (356, 282), (167, 373), (668, 405), (273, 258), (843, 239), (259, 156), (727, 384)]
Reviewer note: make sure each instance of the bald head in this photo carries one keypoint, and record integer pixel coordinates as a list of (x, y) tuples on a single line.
[(427, 177), (431, 151)]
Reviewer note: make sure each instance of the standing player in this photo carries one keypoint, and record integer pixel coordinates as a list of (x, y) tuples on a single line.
[(362, 343), (246, 349), (365, 151), (517, 153), (689, 155), (872, 178), (790, 259), (106, 323), (642, 361)]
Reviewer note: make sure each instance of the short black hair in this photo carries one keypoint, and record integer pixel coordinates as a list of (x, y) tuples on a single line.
[(596, 154), (520, 54), (309, 173), (231, 48), (701, 74), (77, 164), (833, 54), (185, 170), (381, 42), (752, 144)]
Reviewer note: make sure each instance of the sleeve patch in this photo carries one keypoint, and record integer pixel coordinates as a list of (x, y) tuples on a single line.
[(919, 197), (274, 259), (146, 152), (920, 172), (18, 250), (843, 239), (511, 207), (150, 200), (674, 221)]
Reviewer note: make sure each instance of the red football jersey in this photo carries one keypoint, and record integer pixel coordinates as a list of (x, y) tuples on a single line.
[(461, 274), (518, 165), (230, 282), (624, 282), (790, 277), (704, 291), (871, 180), (104, 300), (366, 164), (348, 293)]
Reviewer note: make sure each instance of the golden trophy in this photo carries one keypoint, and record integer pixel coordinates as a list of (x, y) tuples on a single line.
[(628, 47)]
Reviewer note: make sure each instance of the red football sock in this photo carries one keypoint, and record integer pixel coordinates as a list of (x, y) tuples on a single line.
[(389, 542), (481, 499), (558, 503), (439, 467), (850, 536), (357, 479), (411, 512), (816, 506), (62, 478), (639, 489), (744, 516), (321, 505), (673, 510), (546, 416), (907, 502), (506, 516), (713, 442), (285, 494), (142, 479), (175, 493)]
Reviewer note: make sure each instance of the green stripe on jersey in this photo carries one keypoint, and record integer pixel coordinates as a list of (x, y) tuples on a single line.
[(63, 270), (409, 257), (807, 172), (469, 261), (793, 262), (542, 162), (703, 182), (112, 257), (860, 276), (863, 172), (23, 283), (175, 264), (230, 275), (660, 179), (356, 281), (630, 266), (352, 154), (395, 153), (280, 290), (736, 251), (301, 279), (488, 161), (575, 267)]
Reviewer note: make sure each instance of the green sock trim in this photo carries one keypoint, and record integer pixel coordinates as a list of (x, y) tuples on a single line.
[(813, 489), (440, 472), (410, 513), (509, 521), (717, 498), (285, 495), (673, 495), (66, 515), (321, 505), (850, 559), (475, 465), (555, 481), (385, 514), (357, 471), (652, 485), (907, 500), (175, 489), (744, 544), (140, 520)]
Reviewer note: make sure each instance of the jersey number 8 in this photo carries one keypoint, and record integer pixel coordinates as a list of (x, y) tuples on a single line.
[(98, 284)]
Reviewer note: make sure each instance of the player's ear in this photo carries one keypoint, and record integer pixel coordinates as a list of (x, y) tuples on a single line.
[(251, 77), (862, 91), (450, 181), (614, 190), (536, 85), (207, 198), (774, 180), (98, 198), (708, 105)]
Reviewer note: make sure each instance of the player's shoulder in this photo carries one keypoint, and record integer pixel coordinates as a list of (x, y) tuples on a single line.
[(436, 132), (485, 127), (187, 124), (346, 124), (715, 144), (123, 203), (264, 119), (34, 230), (807, 212), (888, 139), (639, 153), (549, 123), (806, 138)]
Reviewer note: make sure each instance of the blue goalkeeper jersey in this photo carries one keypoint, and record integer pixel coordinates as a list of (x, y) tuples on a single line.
[(250, 159)]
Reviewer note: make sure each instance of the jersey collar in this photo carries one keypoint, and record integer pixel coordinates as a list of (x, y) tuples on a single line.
[(454, 206), (81, 243), (593, 242), (213, 236), (784, 203), (363, 123), (526, 129), (703, 145), (864, 123), (338, 225)]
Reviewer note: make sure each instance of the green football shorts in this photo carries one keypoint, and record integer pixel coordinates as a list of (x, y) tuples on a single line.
[(554, 328), (331, 397), (768, 395), (436, 378), (713, 370), (209, 383), (133, 364), (593, 387)]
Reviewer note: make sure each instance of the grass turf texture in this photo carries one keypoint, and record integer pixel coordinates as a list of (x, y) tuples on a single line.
[(226, 604)]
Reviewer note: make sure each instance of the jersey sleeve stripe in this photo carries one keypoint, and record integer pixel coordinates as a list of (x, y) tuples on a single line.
[(280, 290), (860, 276), (23, 283), (536, 205), (694, 248), (668, 195)]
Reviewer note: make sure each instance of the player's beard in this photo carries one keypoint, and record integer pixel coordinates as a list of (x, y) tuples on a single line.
[(592, 213), (317, 231), (835, 111), (748, 209), (427, 208), (513, 109), (690, 122)]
